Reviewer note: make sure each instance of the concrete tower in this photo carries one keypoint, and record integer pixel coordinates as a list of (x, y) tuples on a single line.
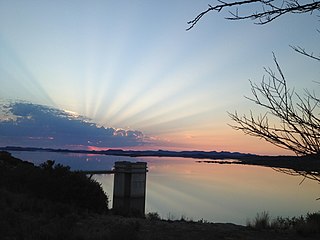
[(129, 190)]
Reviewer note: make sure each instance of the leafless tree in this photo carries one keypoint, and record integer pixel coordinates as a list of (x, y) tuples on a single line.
[(314, 176), (291, 120), (267, 10)]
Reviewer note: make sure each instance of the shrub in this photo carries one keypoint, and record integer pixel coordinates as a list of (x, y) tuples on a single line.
[(152, 216), (306, 226), (52, 182), (281, 223), (310, 225), (261, 221)]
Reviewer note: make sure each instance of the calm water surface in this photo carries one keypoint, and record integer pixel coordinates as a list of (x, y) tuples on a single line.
[(218, 193)]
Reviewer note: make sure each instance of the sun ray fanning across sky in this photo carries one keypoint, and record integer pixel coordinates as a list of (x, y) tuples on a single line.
[(132, 69)]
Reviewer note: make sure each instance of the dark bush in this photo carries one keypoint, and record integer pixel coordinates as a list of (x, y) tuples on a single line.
[(53, 182)]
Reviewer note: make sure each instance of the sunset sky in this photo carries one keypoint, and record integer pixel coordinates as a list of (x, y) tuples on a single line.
[(131, 67)]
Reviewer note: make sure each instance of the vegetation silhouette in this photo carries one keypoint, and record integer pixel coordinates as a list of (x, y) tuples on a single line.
[(30, 211), (291, 121), (52, 182), (266, 11), (306, 226)]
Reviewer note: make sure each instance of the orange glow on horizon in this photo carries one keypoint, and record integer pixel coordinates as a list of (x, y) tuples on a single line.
[(227, 140)]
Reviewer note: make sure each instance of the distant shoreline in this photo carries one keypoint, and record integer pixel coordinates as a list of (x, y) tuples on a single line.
[(147, 153), (309, 164)]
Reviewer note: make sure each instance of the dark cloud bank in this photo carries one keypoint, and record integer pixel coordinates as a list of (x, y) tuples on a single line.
[(27, 124)]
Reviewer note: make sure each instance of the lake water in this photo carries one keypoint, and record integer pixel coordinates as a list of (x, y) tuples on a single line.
[(179, 187)]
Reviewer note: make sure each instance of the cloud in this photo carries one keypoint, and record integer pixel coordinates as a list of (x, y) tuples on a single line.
[(28, 124)]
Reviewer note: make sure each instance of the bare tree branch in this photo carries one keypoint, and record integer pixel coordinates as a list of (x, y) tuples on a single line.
[(315, 176), (291, 121), (296, 122), (305, 53), (270, 10)]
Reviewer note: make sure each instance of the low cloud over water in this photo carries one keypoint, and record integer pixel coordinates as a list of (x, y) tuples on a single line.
[(28, 124)]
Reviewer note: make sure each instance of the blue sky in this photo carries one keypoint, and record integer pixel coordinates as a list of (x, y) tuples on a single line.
[(132, 65)]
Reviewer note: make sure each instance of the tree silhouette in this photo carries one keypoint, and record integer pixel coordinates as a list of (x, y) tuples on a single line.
[(267, 10), (291, 121), (53, 182)]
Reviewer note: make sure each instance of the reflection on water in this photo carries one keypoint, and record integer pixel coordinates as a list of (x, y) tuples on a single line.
[(219, 193)]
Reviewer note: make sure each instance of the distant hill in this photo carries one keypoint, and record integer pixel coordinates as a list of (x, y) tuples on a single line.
[(132, 153), (304, 165)]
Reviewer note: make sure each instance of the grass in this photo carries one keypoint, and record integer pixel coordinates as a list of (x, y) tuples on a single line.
[(261, 221), (304, 225)]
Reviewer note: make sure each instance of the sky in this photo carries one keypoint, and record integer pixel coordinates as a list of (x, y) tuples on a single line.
[(127, 74)]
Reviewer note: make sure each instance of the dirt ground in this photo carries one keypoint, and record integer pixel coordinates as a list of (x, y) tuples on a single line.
[(114, 227)]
